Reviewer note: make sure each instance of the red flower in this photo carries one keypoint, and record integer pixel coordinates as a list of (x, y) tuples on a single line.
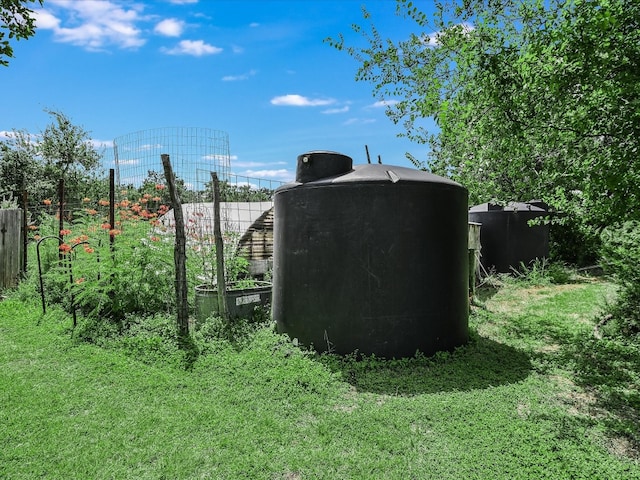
[(106, 226), (46, 201), (80, 239), (115, 231), (80, 280), (88, 249), (103, 202), (160, 186), (64, 248), (64, 232)]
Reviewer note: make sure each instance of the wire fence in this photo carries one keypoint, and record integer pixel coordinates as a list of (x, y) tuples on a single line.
[(246, 208), (195, 153)]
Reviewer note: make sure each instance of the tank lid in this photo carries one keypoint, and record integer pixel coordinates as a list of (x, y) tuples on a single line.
[(533, 206), (372, 172), (320, 164), (377, 173)]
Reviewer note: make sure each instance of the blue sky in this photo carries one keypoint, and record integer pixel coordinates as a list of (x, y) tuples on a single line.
[(258, 70)]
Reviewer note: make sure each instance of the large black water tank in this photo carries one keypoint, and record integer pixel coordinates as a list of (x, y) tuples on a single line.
[(370, 259), (506, 238)]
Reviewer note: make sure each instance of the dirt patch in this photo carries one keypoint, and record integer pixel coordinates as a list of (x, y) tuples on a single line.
[(550, 348), (623, 447), (584, 403), (291, 476), (579, 402)]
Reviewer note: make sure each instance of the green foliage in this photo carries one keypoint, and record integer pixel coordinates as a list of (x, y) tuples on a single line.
[(36, 163), (8, 202), (19, 168), (240, 193), (621, 257), (153, 186), (133, 276), (532, 100), (16, 19), (67, 153), (574, 243)]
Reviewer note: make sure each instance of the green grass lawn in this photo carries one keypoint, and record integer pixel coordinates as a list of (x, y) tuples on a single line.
[(534, 395)]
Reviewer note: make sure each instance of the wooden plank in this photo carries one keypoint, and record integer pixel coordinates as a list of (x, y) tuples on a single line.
[(11, 247)]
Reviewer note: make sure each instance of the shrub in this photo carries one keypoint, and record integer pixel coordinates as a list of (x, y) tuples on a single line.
[(132, 277), (541, 272), (621, 257), (573, 243)]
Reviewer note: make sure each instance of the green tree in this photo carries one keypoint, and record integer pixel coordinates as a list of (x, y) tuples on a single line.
[(532, 99), (16, 23), (67, 153), (36, 163), (18, 167)]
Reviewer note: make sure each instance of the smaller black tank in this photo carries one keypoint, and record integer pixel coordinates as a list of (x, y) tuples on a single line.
[(507, 240)]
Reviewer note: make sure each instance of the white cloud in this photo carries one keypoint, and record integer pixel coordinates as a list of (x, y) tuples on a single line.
[(300, 101), (148, 146), (101, 143), (383, 103), (277, 174), (219, 157), (359, 121), (170, 27), (237, 49), (197, 48), (93, 25), (254, 24), (250, 164), (236, 78), (14, 135), (45, 20), (331, 111), (433, 39), (131, 161), (182, 2)]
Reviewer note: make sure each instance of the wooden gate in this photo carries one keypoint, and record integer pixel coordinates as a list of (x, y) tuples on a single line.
[(11, 245)]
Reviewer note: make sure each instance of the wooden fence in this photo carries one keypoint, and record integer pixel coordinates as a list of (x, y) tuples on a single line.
[(11, 247)]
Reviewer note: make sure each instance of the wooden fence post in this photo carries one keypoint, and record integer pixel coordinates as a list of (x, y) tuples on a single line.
[(112, 210), (60, 217), (179, 251), (217, 233)]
